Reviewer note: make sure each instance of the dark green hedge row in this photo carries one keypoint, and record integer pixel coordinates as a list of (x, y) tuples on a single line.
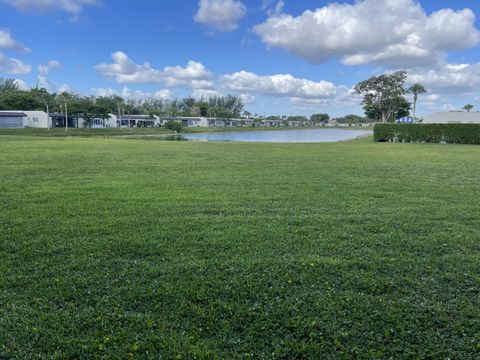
[(429, 133)]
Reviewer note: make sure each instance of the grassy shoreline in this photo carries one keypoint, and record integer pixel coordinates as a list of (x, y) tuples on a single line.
[(148, 249)]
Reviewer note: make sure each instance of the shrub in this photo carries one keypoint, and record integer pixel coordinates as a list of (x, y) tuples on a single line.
[(174, 125), (428, 133)]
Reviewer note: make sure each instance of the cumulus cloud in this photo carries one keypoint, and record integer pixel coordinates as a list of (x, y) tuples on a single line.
[(69, 6), (43, 69), (10, 65), (127, 93), (278, 85), (9, 43), (247, 98), (104, 91), (220, 15), (385, 32), (52, 86), (205, 93), (448, 78), (124, 70), (194, 75), (163, 94)]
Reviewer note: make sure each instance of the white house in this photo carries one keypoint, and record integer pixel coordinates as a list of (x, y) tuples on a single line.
[(38, 119), (453, 117), (190, 121), (98, 123), (23, 119), (13, 119)]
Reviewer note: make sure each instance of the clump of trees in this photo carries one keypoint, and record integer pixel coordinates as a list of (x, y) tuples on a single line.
[(13, 97), (174, 125), (320, 117), (383, 96), (352, 119)]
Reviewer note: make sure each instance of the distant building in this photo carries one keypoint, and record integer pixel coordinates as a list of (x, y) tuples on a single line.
[(453, 117), (40, 119), (12, 119), (23, 119)]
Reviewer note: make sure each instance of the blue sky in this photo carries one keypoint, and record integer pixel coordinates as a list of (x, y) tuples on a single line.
[(283, 57)]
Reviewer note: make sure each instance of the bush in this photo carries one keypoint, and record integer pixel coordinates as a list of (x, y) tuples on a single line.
[(428, 133), (174, 125)]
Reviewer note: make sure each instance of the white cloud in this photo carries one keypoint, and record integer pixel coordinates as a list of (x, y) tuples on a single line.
[(278, 85), (386, 32), (194, 75), (448, 78), (13, 66), (21, 84), (205, 93), (9, 43), (220, 15), (344, 97), (448, 107), (43, 69), (68, 6), (51, 86), (247, 98), (164, 94), (128, 93), (100, 92), (133, 94), (273, 10), (124, 70)]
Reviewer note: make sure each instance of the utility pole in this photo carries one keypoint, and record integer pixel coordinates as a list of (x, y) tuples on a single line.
[(48, 116), (66, 117), (119, 123)]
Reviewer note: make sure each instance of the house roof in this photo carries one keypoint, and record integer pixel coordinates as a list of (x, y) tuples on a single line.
[(461, 117), (136, 117), (12, 113)]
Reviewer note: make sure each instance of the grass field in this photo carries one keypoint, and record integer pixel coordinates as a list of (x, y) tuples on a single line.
[(115, 249)]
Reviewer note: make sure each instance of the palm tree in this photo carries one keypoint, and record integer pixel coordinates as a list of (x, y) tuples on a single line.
[(416, 89), (468, 107)]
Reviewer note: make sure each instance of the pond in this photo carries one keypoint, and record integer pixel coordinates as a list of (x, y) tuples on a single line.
[(281, 136)]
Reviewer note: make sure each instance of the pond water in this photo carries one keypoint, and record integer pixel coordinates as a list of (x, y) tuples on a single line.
[(281, 136)]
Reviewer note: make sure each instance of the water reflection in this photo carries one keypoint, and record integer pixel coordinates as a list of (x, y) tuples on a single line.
[(280, 136)]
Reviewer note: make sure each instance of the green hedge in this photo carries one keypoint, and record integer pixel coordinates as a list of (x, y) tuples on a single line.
[(428, 133)]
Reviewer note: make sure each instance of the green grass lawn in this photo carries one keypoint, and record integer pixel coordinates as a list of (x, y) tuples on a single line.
[(113, 249)]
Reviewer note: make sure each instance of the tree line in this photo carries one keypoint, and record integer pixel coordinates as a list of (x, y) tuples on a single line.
[(12, 97)]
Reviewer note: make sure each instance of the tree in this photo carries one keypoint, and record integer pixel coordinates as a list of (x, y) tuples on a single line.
[(400, 108), (45, 99), (350, 119), (7, 85), (416, 89), (174, 125), (202, 108), (320, 117), (297, 118), (383, 93), (19, 100), (468, 107)]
